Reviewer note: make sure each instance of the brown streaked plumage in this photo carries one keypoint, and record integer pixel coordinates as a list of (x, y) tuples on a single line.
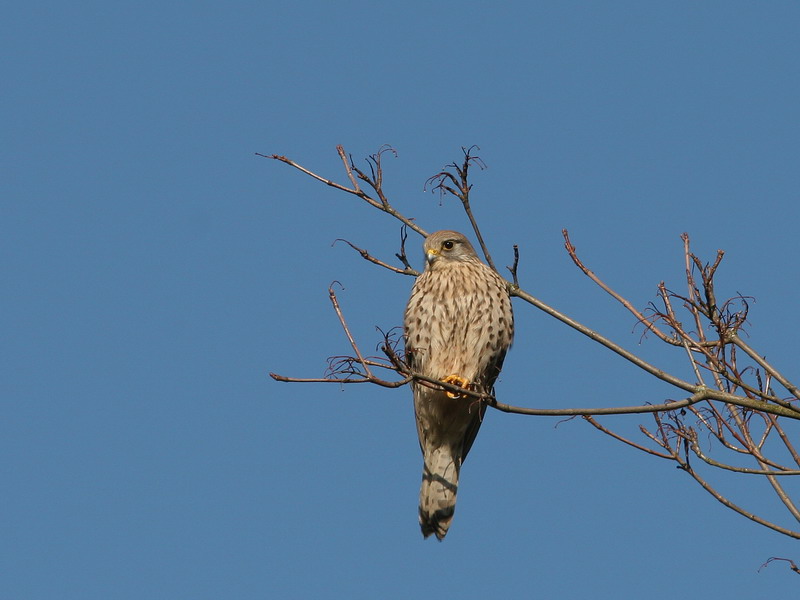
[(458, 328)]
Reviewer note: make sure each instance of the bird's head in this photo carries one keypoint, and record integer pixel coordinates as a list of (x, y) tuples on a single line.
[(444, 247)]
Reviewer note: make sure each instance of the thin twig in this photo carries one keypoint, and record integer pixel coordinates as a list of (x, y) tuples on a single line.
[(513, 268), (373, 379), (367, 256), (720, 498), (348, 170), (460, 189), (740, 343), (714, 463), (624, 440), (591, 275), (334, 300), (383, 205), (785, 439), (792, 564), (676, 326), (402, 254), (612, 410)]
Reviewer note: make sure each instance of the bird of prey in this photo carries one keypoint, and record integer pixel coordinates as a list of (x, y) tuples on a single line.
[(458, 327)]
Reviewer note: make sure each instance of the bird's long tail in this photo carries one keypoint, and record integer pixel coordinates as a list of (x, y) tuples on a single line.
[(437, 496)]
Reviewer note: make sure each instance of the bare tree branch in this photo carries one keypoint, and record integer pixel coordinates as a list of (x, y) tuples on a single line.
[(736, 508), (736, 339), (571, 250), (375, 182), (736, 402)]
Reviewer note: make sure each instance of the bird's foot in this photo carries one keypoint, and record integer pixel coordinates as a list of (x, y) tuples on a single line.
[(459, 381)]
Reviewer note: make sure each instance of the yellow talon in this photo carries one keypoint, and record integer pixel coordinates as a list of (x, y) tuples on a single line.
[(456, 380)]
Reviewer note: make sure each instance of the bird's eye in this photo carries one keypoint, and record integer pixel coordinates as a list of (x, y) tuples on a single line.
[(448, 245)]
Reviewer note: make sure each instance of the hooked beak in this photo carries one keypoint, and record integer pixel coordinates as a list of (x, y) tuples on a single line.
[(431, 255)]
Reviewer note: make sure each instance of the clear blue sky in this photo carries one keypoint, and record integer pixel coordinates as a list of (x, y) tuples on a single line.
[(154, 271)]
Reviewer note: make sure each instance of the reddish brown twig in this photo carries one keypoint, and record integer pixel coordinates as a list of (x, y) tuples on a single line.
[(792, 564), (375, 181), (367, 256), (625, 440), (573, 254)]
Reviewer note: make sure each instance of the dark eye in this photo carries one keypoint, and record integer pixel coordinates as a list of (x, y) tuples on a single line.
[(448, 245)]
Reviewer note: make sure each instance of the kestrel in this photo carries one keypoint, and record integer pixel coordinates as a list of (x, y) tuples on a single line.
[(458, 328)]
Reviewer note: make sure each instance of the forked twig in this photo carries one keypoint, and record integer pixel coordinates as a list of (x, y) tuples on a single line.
[(375, 181), (792, 564), (367, 256), (460, 188)]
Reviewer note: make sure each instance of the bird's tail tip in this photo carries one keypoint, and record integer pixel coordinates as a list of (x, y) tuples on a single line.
[(437, 495), (436, 523)]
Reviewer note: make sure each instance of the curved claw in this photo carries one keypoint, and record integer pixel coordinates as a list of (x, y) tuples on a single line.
[(456, 380)]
